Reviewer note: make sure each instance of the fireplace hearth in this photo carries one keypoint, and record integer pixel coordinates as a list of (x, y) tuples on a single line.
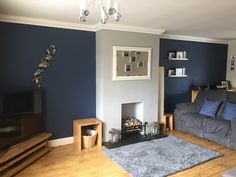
[(133, 138)]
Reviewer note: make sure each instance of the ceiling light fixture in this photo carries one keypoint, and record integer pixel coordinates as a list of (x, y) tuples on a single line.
[(111, 9)]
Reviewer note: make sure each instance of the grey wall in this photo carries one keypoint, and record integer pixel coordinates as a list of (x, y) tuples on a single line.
[(231, 75), (111, 94)]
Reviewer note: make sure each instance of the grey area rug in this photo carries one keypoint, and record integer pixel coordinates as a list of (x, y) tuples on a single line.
[(160, 157)]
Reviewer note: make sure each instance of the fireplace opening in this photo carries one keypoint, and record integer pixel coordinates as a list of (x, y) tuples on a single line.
[(132, 117), (133, 127), (130, 125)]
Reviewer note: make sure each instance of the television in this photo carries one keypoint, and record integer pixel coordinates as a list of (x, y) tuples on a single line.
[(20, 117)]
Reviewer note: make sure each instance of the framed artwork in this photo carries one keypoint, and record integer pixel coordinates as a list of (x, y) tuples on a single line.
[(131, 63), (179, 54)]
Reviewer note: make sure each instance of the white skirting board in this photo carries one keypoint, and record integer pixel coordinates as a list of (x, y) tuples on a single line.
[(61, 141)]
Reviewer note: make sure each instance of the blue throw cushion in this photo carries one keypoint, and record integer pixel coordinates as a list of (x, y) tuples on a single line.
[(230, 111), (210, 108)]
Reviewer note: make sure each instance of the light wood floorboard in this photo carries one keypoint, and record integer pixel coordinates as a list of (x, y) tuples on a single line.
[(65, 161)]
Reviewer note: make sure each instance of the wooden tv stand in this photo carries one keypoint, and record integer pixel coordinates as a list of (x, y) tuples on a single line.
[(21, 155)]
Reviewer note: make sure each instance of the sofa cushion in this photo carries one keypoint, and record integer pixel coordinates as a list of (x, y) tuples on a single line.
[(220, 128), (230, 111), (210, 108), (231, 97), (217, 131), (200, 97), (187, 107), (216, 95), (193, 123)]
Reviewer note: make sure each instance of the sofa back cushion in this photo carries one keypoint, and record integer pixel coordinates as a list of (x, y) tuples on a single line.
[(231, 97), (230, 111), (216, 95), (210, 108), (200, 98)]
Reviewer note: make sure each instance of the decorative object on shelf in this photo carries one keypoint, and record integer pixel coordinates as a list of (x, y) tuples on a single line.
[(111, 8), (171, 55), (45, 63), (177, 72), (131, 63), (232, 63), (178, 55), (224, 85), (171, 72)]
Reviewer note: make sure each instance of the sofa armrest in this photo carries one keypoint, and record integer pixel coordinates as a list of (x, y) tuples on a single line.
[(187, 107), (233, 134)]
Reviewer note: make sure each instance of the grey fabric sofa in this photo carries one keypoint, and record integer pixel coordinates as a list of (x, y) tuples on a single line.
[(188, 119)]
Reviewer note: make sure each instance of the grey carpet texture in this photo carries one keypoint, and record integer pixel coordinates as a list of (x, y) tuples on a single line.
[(160, 157)]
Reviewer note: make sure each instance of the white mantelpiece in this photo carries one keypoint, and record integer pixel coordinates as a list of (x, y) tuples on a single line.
[(110, 95)]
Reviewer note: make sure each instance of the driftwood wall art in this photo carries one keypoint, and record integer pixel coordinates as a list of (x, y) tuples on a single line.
[(44, 64)]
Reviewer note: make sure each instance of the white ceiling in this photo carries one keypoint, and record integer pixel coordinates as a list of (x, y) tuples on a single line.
[(215, 19)]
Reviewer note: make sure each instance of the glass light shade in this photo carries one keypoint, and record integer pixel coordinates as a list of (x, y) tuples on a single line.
[(103, 16), (83, 4), (117, 15), (111, 8), (82, 18), (83, 10)]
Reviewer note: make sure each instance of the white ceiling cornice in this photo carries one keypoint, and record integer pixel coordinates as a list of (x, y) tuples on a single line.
[(108, 26), (119, 27), (193, 38), (78, 26), (47, 23)]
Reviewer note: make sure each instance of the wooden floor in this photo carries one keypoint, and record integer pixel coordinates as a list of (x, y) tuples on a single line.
[(65, 161)]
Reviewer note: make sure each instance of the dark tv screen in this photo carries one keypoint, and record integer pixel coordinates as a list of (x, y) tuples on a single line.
[(21, 117)]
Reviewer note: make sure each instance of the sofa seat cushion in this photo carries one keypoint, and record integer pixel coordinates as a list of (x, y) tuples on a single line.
[(194, 120), (220, 128), (193, 123)]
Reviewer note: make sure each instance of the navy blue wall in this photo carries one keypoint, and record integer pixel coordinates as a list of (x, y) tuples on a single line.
[(69, 83), (206, 65)]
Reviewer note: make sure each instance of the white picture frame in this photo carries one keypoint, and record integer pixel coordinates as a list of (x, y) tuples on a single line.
[(180, 54), (143, 54)]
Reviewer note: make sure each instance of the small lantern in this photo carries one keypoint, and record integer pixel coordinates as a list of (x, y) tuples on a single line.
[(152, 128), (114, 135), (156, 128)]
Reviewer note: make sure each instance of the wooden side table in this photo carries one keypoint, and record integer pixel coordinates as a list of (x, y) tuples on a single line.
[(78, 125), (194, 95), (168, 121)]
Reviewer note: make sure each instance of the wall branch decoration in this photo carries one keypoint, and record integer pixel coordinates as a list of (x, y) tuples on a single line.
[(44, 64)]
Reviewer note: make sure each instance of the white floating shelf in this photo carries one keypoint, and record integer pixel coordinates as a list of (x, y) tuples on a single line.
[(179, 59), (178, 75)]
